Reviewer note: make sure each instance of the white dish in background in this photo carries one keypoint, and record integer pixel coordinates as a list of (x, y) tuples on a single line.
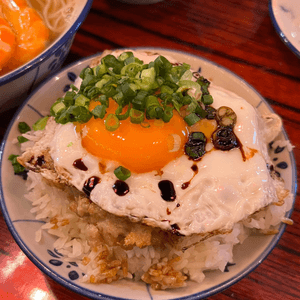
[(22, 224), (285, 15)]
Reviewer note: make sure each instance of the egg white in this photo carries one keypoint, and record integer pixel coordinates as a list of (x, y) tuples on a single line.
[(225, 190)]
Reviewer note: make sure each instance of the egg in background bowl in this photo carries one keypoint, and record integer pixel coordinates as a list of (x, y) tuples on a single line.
[(16, 84)]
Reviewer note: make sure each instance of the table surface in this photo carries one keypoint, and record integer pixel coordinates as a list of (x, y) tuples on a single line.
[(238, 35)]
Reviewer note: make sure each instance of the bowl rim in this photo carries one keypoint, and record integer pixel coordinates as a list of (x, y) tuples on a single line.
[(38, 60), (97, 295), (279, 31)]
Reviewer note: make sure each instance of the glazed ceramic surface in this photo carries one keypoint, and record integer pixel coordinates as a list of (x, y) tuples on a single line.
[(23, 225), (285, 15), (18, 84)]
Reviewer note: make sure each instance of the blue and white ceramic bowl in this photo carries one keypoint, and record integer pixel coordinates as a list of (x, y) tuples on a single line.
[(16, 85), (22, 224), (285, 16)]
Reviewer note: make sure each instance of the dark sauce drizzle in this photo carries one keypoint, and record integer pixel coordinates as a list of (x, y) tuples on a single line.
[(237, 144), (186, 184), (175, 229), (121, 188), (167, 190), (78, 164), (240, 146), (40, 160), (90, 184)]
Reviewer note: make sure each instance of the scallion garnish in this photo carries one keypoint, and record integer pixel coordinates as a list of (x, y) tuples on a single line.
[(58, 107), (23, 127), (191, 119), (21, 139), (40, 124), (122, 173), (207, 99), (18, 168), (149, 91), (112, 123), (99, 111), (136, 116)]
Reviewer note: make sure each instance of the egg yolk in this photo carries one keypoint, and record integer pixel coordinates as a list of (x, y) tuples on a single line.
[(138, 148)]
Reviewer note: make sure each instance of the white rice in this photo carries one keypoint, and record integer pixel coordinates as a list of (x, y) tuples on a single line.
[(52, 205)]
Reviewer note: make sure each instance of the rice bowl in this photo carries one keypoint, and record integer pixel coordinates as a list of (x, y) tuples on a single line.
[(240, 264)]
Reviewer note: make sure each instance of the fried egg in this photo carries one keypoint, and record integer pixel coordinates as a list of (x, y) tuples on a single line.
[(166, 188)]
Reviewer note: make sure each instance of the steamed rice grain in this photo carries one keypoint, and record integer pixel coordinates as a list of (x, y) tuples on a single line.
[(83, 238)]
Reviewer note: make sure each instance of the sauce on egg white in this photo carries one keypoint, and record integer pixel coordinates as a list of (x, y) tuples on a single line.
[(210, 194), (225, 190)]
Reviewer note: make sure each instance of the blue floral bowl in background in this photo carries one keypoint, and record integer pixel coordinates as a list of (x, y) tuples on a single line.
[(16, 85)]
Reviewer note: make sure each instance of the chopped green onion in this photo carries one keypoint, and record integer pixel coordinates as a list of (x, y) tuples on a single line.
[(132, 69), (13, 158), (18, 168), (122, 173), (69, 98), (21, 139), (111, 62), (193, 88), (102, 99), (150, 90), (207, 99), (168, 114), (159, 112), (136, 116), (191, 119), (160, 81), (89, 80), (101, 83), (74, 114), (23, 127), (162, 66), (148, 79), (40, 124), (187, 75), (78, 114), (86, 71), (197, 137), (133, 59), (125, 55), (112, 122), (99, 111), (192, 106), (82, 101), (226, 117), (122, 116), (109, 91), (74, 88), (100, 70), (58, 107), (211, 112), (166, 89), (139, 101), (151, 101), (127, 91), (201, 113)]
